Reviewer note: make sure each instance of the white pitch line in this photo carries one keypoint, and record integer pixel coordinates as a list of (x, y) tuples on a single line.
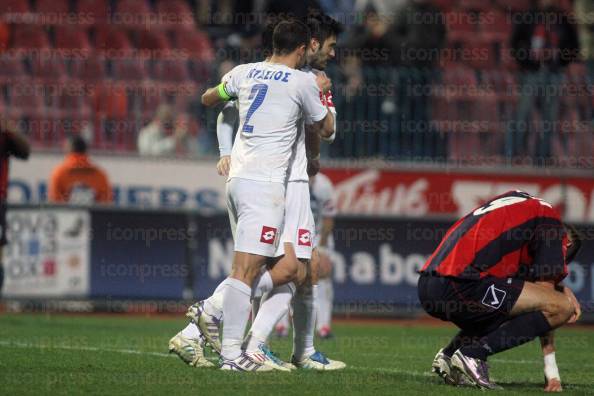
[(81, 348)]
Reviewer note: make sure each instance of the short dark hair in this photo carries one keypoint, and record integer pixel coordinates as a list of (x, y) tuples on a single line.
[(290, 35), (78, 144), (267, 34), (323, 26)]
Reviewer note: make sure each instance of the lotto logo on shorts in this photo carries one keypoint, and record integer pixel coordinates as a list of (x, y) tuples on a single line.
[(304, 237), (494, 297), (268, 235)]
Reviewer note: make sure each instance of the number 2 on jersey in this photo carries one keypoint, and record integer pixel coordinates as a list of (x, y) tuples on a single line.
[(259, 91)]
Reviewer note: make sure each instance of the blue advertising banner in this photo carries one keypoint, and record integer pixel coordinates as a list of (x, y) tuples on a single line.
[(139, 255), (375, 260)]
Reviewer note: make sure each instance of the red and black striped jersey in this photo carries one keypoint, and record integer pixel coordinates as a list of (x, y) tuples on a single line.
[(512, 235)]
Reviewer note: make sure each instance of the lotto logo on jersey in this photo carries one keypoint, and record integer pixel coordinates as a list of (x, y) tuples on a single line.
[(268, 234), (304, 237)]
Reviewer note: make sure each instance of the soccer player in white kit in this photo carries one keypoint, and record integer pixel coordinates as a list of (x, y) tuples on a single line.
[(273, 96)]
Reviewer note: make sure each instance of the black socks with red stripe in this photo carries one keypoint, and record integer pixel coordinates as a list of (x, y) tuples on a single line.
[(513, 333)]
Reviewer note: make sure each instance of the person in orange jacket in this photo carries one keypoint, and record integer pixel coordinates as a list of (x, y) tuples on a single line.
[(77, 180)]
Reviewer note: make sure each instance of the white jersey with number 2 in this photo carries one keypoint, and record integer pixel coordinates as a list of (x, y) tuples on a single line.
[(272, 99)]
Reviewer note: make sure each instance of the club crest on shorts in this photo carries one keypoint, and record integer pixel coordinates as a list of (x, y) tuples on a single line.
[(268, 234), (304, 237), (494, 297)]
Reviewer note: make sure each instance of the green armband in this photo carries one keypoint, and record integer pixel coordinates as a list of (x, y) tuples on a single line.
[(222, 92)]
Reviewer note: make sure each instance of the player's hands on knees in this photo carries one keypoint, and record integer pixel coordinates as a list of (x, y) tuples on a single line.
[(575, 303), (553, 385), (324, 83), (224, 165)]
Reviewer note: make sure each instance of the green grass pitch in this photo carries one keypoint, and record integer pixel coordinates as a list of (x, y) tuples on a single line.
[(112, 355)]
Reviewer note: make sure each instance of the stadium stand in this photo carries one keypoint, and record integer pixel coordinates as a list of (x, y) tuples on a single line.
[(128, 44)]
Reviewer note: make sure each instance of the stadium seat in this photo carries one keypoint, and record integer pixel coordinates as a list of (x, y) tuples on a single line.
[(11, 67), (133, 12), (110, 100), (111, 41), (52, 11), (499, 29), (475, 5), (460, 25), (89, 69), (196, 44), (96, 11), (71, 38), (29, 37), (26, 99), (129, 69), (514, 5), (47, 68), (176, 14), (171, 70), (153, 40), (14, 7)]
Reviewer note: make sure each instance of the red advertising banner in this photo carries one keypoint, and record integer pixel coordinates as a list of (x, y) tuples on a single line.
[(388, 192)]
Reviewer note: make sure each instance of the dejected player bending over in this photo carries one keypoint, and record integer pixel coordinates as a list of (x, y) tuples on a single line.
[(496, 275)]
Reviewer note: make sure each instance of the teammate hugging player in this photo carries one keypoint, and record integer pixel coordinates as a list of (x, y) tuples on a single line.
[(496, 275), (273, 98)]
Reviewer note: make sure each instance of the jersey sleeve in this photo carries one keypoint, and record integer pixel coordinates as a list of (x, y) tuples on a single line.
[(233, 79), (548, 247), (313, 109), (225, 126)]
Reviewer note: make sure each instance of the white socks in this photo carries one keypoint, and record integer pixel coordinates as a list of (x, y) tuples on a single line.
[(262, 284), (236, 312), (324, 303), (191, 331), (304, 322), (275, 306), (214, 304)]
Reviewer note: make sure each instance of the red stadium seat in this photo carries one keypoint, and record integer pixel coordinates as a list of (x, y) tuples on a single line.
[(89, 69), (47, 68), (153, 40), (72, 38), (26, 100), (171, 70), (14, 7), (129, 69), (176, 14), (11, 67), (196, 44), (497, 26), (112, 41), (133, 12), (51, 9), (475, 5), (96, 11), (460, 25), (29, 37), (514, 5)]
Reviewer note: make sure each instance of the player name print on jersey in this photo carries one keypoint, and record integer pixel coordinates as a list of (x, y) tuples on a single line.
[(269, 75), (268, 234)]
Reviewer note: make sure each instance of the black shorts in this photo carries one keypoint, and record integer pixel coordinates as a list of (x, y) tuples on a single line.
[(478, 306)]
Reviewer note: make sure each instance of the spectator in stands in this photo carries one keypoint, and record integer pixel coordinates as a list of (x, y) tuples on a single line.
[(77, 180), (543, 43), (153, 139), (12, 143)]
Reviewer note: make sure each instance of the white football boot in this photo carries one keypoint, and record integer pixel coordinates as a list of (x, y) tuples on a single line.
[(189, 351), (318, 361)]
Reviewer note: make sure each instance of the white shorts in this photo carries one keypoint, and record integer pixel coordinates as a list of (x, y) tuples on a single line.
[(256, 213), (299, 222)]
